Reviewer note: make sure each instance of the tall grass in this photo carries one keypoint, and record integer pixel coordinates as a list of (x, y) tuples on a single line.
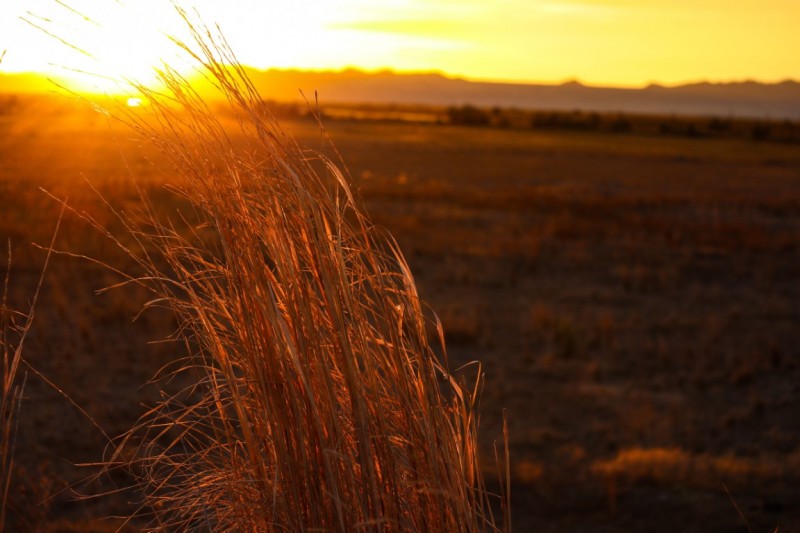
[(11, 393), (14, 328), (312, 397), (10, 396)]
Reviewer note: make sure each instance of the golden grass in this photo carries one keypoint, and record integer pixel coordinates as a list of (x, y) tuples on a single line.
[(14, 329), (677, 466), (11, 394), (12, 390), (312, 398)]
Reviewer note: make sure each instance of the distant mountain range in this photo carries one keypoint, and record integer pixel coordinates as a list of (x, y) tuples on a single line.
[(738, 99), (741, 99)]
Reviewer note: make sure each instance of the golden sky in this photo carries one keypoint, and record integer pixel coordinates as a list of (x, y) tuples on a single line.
[(599, 42)]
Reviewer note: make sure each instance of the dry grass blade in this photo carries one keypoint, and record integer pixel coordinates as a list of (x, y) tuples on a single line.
[(11, 395), (14, 329), (314, 400), (738, 509)]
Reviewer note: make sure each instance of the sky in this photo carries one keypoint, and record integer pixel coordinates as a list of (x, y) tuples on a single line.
[(624, 43)]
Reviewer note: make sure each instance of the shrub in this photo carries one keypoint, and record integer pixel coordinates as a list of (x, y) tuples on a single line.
[(468, 115)]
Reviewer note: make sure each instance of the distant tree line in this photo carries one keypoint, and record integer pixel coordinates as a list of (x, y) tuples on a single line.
[(666, 125), (786, 131)]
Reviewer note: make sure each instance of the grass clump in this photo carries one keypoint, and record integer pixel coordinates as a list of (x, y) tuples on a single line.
[(312, 398), (15, 326)]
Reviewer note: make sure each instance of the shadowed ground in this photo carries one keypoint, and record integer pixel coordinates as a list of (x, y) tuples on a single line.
[(634, 301)]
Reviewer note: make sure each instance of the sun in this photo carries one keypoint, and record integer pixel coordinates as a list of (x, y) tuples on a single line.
[(98, 47)]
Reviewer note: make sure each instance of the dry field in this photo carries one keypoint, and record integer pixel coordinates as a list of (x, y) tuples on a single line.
[(634, 300)]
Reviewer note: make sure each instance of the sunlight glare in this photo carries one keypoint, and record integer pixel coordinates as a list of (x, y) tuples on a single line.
[(92, 46), (613, 42)]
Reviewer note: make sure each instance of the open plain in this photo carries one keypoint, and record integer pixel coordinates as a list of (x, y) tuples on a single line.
[(633, 299)]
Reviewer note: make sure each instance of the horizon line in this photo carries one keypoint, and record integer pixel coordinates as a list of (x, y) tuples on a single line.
[(574, 80)]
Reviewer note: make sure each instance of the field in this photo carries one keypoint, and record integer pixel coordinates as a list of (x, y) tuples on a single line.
[(633, 299)]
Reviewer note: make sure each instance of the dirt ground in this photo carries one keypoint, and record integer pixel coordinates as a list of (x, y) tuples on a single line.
[(634, 302)]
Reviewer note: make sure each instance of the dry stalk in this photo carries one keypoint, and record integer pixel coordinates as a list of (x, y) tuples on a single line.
[(14, 329)]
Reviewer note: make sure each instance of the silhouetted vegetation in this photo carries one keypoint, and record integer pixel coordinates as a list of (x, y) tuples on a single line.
[(661, 125), (468, 115), (782, 131)]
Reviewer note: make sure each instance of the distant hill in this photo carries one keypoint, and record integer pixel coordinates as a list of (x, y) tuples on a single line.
[(739, 99), (745, 99)]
